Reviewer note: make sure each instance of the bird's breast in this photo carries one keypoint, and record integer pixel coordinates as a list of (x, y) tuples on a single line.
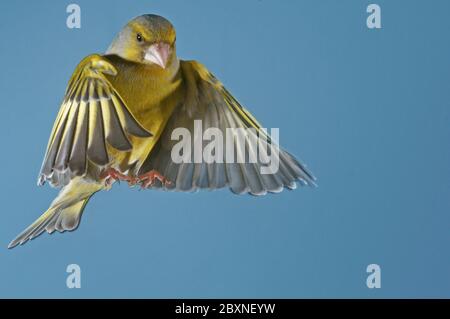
[(151, 100)]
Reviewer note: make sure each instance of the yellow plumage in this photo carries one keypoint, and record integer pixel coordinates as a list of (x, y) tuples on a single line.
[(116, 120)]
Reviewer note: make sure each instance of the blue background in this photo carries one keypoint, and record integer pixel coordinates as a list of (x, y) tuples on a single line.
[(367, 110)]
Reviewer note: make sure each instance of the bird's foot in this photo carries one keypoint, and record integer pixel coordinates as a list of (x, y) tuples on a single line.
[(111, 175), (148, 179)]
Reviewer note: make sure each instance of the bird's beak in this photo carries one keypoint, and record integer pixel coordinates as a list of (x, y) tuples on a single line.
[(158, 53)]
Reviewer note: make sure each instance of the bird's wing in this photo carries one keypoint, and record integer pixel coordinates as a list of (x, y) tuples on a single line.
[(91, 116), (208, 100)]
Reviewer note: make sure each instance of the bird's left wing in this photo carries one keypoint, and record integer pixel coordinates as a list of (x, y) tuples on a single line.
[(209, 102), (91, 116)]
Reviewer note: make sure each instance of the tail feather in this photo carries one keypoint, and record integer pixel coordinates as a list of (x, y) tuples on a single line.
[(68, 219), (64, 213), (55, 218), (34, 229)]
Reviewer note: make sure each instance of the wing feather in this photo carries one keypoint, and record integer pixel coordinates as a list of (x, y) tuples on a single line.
[(77, 163), (96, 150), (128, 121), (115, 134), (209, 101), (67, 138), (92, 116)]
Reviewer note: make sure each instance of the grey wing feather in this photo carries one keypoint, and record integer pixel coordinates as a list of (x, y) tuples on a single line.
[(216, 108)]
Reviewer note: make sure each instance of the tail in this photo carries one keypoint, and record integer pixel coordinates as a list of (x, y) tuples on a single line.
[(63, 214)]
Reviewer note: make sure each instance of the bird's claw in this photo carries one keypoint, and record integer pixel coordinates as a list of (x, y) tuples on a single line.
[(148, 179), (111, 175)]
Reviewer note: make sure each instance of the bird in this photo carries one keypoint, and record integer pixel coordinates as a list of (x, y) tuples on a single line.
[(116, 123)]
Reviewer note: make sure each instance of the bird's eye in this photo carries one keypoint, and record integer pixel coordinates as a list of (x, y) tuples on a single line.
[(139, 37)]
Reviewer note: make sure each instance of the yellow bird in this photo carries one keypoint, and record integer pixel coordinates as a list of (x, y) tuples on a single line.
[(117, 119)]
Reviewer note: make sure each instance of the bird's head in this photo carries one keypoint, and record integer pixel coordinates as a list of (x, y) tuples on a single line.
[(148, 39)]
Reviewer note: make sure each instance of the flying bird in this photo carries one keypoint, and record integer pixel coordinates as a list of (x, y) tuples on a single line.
[(116, 123)]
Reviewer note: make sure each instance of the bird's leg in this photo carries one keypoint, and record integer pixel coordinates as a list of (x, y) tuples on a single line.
[(111, 175), (148, 179)]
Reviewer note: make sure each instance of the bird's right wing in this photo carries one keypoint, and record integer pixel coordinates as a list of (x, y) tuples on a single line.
[(91, 116)]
